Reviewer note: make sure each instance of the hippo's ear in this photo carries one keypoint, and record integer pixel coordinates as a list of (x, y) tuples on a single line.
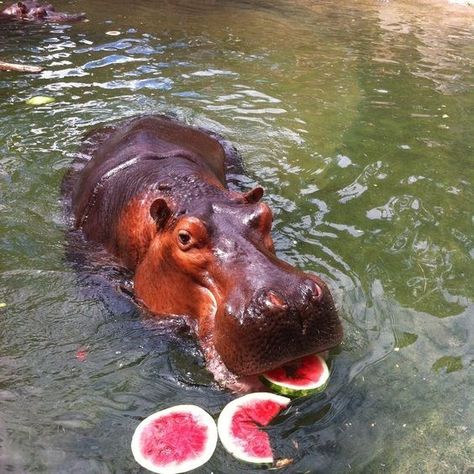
[(160, 212), (254, 195)]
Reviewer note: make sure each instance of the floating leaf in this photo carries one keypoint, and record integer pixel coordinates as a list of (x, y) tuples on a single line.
[(450, 363), (405, 339)]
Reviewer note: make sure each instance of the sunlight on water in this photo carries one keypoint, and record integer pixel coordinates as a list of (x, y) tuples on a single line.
[(357, 120)]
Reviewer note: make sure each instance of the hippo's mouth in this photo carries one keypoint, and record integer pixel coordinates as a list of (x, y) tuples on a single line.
[(321, 351), (259, 382), (265, 344)]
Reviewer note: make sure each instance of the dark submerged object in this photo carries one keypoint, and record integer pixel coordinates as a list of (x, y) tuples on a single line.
[(152, 191), (31, 10)]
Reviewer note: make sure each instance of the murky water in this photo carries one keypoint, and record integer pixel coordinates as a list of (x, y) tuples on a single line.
[(357, 118)]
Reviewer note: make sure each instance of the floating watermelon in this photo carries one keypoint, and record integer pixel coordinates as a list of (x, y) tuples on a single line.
[(175, 440), (298, 378), (240, 422)]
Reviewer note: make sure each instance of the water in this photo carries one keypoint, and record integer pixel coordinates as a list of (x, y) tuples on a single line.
[(357, 119)]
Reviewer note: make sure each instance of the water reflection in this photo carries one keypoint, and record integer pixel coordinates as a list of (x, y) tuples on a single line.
[(441, 38)]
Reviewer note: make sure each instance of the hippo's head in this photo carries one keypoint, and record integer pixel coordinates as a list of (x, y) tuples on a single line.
[(31, 10), (217, 263), (18, 9)]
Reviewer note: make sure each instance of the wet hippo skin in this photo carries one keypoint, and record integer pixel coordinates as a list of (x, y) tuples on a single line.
[(152, 191), (31, 10)]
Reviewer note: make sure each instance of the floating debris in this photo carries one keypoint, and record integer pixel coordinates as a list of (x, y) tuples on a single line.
[(40, 100)]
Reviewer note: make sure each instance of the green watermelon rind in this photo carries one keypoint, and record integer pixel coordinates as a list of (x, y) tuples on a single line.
[(291, 392), (294, 392)]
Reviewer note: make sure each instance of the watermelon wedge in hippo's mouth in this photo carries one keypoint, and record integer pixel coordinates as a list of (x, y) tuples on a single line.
[(300, 377)]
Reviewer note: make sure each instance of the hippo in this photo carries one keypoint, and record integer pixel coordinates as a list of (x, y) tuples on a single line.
[(31, 10), (155, 194)]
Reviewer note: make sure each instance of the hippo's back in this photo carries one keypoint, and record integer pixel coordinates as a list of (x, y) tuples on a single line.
[(111, 149)]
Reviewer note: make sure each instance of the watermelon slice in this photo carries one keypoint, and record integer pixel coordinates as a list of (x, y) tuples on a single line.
[(175, 440), (298, 378), (240, 422)]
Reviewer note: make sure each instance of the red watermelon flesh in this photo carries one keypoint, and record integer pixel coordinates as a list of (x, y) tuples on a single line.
[(246, 425), (299, 373), (175, 440)]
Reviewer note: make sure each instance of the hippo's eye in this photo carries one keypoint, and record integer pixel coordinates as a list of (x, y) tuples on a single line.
[(184, 237)]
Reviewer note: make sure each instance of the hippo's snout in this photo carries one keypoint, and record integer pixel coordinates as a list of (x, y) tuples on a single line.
[(271, 301), (276, 326), (311, 292)]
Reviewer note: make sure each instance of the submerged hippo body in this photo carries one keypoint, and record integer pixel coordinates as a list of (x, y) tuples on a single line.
[(154, 194), (31, 10)]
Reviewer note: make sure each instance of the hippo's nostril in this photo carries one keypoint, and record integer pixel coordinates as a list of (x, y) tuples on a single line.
[(316, 290), (274, 300)]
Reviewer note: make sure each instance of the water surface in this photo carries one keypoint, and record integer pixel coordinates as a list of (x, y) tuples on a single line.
[(357, 119)]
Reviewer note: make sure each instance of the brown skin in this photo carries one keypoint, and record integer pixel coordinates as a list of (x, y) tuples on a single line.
[(31, 10), (154, 195)]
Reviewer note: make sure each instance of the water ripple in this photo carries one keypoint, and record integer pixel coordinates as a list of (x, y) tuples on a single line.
[(111, 60)]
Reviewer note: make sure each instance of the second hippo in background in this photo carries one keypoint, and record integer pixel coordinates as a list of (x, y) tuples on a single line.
[(153, 192), (31, 10)]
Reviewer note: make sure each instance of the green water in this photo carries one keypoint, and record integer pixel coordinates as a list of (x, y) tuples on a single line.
[(357, 118)]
